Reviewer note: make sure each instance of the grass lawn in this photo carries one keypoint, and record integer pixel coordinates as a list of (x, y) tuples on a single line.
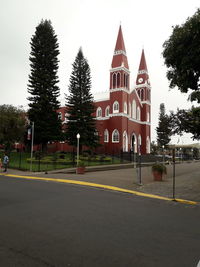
[(54, 161)]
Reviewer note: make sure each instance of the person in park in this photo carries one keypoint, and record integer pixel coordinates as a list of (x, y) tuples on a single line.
[(5, 162)]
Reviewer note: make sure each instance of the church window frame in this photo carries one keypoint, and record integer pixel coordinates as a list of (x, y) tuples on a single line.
[(142, 94), (138, 113), (127, 80), (60, 117), (114, 80), (134, 110), (106, 136), (99, 112), (148, 117), (125, 107), (118, 79), (115, 136), (116, 107), (107, 111)]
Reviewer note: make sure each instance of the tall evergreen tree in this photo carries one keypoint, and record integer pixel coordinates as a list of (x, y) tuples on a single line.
[(80, 105), (164, 128), (43, 84)]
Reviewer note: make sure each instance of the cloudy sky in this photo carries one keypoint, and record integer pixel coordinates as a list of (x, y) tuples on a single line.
[(93, 25)]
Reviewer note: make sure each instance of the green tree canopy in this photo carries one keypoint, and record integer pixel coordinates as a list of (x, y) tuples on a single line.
[(186, 121), (12, 126), (80, 107), (43, 84), (164, 127), (182, 57)]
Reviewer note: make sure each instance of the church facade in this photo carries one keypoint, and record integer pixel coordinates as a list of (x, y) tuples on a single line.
[(123, 118)]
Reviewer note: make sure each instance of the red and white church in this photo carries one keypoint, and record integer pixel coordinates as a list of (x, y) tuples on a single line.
[(123, 118)]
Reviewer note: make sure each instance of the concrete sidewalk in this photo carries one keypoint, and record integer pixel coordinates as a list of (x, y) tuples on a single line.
[(187, 179)]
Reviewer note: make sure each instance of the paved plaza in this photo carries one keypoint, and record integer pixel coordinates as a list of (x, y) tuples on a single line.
[(187, 179)]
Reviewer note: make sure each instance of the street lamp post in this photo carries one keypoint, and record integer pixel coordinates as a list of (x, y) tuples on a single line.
[(192, 153), (78, 137), (134, 153), (181, 154), (139, 165), (163, 154)]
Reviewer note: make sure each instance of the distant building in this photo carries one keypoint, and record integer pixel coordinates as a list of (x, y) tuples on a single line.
[(124, 117)]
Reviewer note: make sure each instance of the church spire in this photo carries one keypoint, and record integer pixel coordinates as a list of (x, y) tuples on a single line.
[(120, 41), (119, 57), (143, 76), (143, 64)]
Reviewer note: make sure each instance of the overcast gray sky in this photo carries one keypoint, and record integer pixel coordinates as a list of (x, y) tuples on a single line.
[(92, 24)]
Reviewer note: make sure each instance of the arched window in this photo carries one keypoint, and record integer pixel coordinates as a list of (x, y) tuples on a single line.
[(125, 142), (139, 143), (114, 80), (148, 117), (127, 78), (134, 109), (60, 115), (66, 117), (124, 80), (107, 112), (138, 93), (99, 112), (106, 136), (115, 136), (118, 80), (138, 114), (134, 143), (142, 94), (125, 107), (147, 94), (115, 107), (139, 140)]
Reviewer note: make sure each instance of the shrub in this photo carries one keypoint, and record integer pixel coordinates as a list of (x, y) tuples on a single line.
[(160, 168)]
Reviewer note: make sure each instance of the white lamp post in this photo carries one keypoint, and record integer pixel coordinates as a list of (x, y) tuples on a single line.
[(163, 153), (134, 153), (78, 137)]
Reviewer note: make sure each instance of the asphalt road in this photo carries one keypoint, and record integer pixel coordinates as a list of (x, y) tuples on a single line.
[(53, 224)]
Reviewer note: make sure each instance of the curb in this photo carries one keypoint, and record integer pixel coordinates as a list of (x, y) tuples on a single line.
[(112, 188)]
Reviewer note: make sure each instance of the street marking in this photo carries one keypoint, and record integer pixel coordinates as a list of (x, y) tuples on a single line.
[(113, 188)]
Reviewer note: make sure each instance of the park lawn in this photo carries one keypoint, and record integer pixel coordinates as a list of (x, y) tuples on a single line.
[(50, 162)]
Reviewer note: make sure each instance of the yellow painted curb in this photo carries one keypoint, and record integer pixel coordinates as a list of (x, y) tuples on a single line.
[(113, 188)]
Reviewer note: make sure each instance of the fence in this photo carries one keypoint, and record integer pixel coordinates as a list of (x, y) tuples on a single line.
[(59, 160)]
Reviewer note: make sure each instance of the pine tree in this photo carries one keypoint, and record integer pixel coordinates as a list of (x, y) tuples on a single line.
[(80, 107), (164, 128), (43, 84)]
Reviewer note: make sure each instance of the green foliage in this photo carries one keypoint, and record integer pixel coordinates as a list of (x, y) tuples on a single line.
[(80, 163), (80, 105), (154, 148), (12, 125), (164, 127), (181, 53), (43, 84), (186, 121), (160, 168)]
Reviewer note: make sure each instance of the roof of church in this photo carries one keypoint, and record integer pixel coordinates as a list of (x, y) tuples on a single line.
[(143, 64), (119, 57)]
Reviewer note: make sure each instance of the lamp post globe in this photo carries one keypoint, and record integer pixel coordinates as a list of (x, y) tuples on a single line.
[(78, 137)]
